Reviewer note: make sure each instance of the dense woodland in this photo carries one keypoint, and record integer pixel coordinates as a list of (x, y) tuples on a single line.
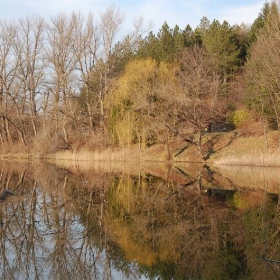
[(73, 81)]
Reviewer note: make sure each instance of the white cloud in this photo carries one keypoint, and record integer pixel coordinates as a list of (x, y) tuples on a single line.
[(242, 14), (14, 9), (181, 12), (173, 12)]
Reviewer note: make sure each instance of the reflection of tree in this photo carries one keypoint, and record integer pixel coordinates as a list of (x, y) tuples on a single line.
[(65, 225), (41, 234), (158, 229), (170, 229), (262, 239)]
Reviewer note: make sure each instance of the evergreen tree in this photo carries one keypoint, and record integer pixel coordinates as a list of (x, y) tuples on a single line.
[(259, 22), (148, 47), (220, 42), (262, 70), (167, 45), (189, 37), (241, 33)]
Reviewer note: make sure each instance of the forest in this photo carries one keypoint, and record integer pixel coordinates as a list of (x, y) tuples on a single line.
[(73, 81)]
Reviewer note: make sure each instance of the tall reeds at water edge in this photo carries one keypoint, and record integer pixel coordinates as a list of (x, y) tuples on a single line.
[(221, 149), (106, 155)]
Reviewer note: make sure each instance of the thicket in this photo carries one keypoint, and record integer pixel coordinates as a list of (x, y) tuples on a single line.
[(73, 82)]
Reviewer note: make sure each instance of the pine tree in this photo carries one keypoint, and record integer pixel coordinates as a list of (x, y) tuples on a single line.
[(220, 42)]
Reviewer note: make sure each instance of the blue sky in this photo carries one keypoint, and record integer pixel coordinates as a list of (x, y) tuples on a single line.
[(181, 12)]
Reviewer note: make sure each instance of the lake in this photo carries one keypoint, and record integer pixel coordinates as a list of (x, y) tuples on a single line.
[(108, 221)]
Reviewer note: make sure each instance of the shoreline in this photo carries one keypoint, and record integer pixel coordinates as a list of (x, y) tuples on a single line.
[(227, 149)]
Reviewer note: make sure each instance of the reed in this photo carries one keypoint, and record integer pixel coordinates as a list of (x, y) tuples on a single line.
[(110, 154), (224, 149)]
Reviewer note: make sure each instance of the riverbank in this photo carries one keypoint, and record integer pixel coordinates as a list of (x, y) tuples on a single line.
[(231, 148)]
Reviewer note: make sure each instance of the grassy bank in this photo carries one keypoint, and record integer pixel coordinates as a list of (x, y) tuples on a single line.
[(231, 148), (179, 151), (250, 151), (218, 148)]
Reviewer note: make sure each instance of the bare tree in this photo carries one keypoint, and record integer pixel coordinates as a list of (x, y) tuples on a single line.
[(31, 64), (111, 20), (62, 62), (44, 67), (86, 44), (196, 99), (7, 75)]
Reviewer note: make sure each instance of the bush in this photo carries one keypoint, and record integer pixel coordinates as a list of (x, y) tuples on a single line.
[(240, 117)]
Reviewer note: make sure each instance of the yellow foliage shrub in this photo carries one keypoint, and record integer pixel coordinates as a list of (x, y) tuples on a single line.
[(129, 100), (240, 117)]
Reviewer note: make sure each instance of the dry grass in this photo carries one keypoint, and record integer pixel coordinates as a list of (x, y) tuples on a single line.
[(21, 156), (250, 151), (131, 153), (124, 154), (223, 149)]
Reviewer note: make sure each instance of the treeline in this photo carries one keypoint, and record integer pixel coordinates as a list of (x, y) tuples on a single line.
[(72, 81)]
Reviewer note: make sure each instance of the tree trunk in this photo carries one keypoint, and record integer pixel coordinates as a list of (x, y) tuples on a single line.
[(168, 155), (199, 142)]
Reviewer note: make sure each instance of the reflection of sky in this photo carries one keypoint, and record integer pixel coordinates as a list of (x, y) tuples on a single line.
[(18, 243)]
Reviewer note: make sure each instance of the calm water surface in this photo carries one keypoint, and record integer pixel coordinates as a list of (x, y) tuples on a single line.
[(181, 222)]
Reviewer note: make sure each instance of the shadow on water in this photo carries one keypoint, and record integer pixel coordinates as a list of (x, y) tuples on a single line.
[(138, 222), (5, 194)]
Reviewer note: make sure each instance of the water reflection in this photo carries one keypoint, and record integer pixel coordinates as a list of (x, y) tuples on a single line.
[(155, 222)]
